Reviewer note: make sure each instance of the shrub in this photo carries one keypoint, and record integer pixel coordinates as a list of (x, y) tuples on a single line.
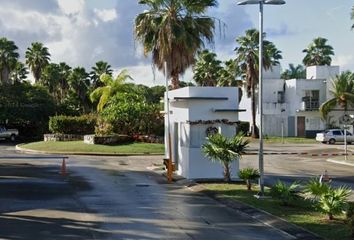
[(103, 128), (243, 127), (80, 125), (248, 174), (314, 189), (286, 193), (334, 201)]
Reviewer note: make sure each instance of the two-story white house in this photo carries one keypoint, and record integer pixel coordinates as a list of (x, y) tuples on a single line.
[(292, 106)]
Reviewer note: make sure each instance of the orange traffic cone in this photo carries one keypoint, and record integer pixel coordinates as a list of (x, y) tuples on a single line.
[(63, 167)]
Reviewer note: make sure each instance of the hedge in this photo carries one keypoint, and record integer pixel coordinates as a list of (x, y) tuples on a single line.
[(80, 125), (243, 127)]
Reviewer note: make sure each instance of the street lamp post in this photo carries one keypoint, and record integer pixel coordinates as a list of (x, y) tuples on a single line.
[(260, 92)]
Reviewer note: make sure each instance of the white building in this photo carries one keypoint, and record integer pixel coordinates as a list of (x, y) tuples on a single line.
[(294, 104)]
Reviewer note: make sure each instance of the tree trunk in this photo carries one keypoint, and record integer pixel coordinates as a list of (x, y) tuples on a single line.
[(227, 177), (330, 216), (249, 186), (5, 75), (175, 81), (253, 106)]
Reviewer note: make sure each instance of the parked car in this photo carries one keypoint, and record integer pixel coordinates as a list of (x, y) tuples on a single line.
[(332, 136), (11, 134)]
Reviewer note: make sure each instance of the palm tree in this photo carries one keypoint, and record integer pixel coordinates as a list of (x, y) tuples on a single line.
[(110, 88), (37, 58), (79, 86), (65, 72), (8, 59), (173, 31), (50, 78), (318, 53), (343, 94), (19, 73), (224, 150), (206, 69), (100, 68), (297, 72), (247, 61)]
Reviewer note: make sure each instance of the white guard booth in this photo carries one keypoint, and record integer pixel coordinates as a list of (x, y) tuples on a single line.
[(195, 112)]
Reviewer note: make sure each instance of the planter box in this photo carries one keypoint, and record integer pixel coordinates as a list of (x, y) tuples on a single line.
[(62, 137), (107, 140)]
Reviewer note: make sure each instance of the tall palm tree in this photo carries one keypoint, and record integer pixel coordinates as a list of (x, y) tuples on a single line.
[(100, 68), (79, 86), (65, 72), (297, 72), (206, 69), (224, 150), (247, 61), (110, 88), (173, 31), (318, 53), (37, 58), (19, 73), (343, 94), (8, 59), (50, 78)]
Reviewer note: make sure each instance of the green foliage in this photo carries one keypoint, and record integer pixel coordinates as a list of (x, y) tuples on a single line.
[(349, 213), (314, 189), (37, 57), (103, 128), (84, 124), (318, 53), (79, 90), (286, 193), (206, 69), (26, 107), (8, 59), (130, 114), (243, 127), (224, 150), (334, 201), (297, 72), (248, 174), (99, 69), (173, 31)]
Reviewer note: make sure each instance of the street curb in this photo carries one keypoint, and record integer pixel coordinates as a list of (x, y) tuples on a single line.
[(26, 150), (340, 162), (264, 217)]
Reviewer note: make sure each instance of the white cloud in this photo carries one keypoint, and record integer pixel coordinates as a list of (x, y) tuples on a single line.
[(344, 61), (71, 6), (106, 15)]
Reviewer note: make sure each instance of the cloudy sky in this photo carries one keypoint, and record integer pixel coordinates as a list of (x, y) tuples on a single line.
[(82, 32)]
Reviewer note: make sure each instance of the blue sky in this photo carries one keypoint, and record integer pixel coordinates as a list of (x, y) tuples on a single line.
[(82, 32)]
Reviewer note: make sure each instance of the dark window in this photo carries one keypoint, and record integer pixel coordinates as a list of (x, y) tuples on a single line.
[(337, 133)]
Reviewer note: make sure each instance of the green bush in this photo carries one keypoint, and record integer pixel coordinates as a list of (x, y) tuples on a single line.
[(249, 174), (80, 125), (243, 127), (314, 189), (285, 193)]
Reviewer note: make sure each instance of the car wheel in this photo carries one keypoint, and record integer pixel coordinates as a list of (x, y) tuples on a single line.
[(349, 143), (12, 138), (332, 141)]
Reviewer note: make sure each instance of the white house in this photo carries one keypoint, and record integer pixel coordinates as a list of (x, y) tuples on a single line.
[(195, 111), (293, 105)]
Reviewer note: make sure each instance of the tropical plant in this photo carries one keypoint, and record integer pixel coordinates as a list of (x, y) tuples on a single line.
[(297, 72), (247, 61), (343, 94), (19, 73), (8, 59), (79, 87), (249, 174), (100, 68), (50, 78), (173, 31), (37, 57), (286, 193), (65, 72), (110, 88), (315, 188), (318, 53), (223, 150), (206, 69), (334, 201)]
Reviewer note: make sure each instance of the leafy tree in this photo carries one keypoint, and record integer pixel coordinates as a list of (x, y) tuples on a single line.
[(110, 88), (79, 86), (297, 72), (224, 150), (249, 174), (207, 69), (343, 94), (19, 73), (173, 31), (37, 58), (318, 53), (100, 68), (247, 61), (8, 59)]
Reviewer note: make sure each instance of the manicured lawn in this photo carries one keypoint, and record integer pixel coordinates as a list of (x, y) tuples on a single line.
[(287, 140), (300, 212), (81, 147)]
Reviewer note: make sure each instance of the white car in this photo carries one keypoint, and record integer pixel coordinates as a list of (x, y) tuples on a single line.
[(332, 136), (8, 133)]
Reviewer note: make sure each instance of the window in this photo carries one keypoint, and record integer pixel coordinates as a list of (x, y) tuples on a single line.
[(281, 97), (337, 133)]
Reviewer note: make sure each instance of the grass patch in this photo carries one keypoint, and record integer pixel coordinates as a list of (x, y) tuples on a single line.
[(81, 147), (300, 212), (286, 140)]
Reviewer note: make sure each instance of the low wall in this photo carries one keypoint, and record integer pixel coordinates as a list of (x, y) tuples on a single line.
[(62, 137), (107, 140)]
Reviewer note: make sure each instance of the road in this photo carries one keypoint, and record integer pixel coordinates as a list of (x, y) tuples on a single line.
[(109, 198)]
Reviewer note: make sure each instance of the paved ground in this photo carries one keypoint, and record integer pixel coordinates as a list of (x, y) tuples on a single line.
[(109, 198)]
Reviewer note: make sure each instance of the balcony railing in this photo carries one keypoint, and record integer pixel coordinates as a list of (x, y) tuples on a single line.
[(311, 105)]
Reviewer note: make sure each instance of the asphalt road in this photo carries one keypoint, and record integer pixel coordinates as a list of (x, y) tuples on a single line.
[(109, 198)]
